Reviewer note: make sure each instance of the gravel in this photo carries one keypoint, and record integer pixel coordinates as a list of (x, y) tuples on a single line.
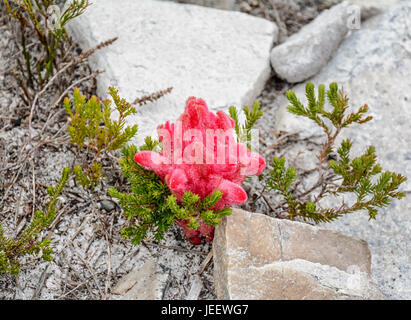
[(90, 256)]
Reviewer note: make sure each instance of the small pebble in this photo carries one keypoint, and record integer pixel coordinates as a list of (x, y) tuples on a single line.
[(245, 7), (107, 205)]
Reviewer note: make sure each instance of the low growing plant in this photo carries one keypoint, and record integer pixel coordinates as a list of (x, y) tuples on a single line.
[(361, 177), (151, 207), (96, 128), (47, 23), (186, 181), (29, 242), (93, 130)]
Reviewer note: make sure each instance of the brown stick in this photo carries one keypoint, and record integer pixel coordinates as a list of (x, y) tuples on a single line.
[(206, 261)]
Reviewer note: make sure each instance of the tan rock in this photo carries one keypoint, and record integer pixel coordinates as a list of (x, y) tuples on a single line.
[(259, 257)]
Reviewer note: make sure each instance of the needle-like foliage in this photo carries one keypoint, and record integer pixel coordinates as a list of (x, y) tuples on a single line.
[(360, 176), (93, 130), (30, 242)]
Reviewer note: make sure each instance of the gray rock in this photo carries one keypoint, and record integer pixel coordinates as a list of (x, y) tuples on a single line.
[(143, 283), (107, 205), (259, 257), (305, 53), (220, 56), (374, 67)]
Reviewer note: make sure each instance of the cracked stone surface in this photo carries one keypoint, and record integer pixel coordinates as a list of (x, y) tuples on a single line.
[(259, 257), (373, 66), (220, 56)]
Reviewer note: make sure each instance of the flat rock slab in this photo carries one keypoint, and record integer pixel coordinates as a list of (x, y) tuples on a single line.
[(259, 257), (374, 66), (220, 56)]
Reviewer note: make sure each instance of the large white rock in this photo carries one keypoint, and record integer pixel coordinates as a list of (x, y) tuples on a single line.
[(374, 67), (220, 56), (305, 53)]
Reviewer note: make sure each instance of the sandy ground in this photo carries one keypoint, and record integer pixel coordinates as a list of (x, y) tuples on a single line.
[(90, 256)]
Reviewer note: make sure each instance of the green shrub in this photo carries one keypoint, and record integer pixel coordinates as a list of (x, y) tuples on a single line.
[(149, 205), (94, 132), (11, 250), (361, 176)]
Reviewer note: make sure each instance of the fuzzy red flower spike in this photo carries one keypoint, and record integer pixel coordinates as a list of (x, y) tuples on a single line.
[(201, 155)]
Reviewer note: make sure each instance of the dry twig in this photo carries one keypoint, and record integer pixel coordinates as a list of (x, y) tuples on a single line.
[(152, 97)]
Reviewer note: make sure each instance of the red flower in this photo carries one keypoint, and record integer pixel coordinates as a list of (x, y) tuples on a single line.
[(201, 155)]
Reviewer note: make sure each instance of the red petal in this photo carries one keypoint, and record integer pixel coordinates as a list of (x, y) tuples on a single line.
[(153, 161), (232, 192), (177, 180)]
